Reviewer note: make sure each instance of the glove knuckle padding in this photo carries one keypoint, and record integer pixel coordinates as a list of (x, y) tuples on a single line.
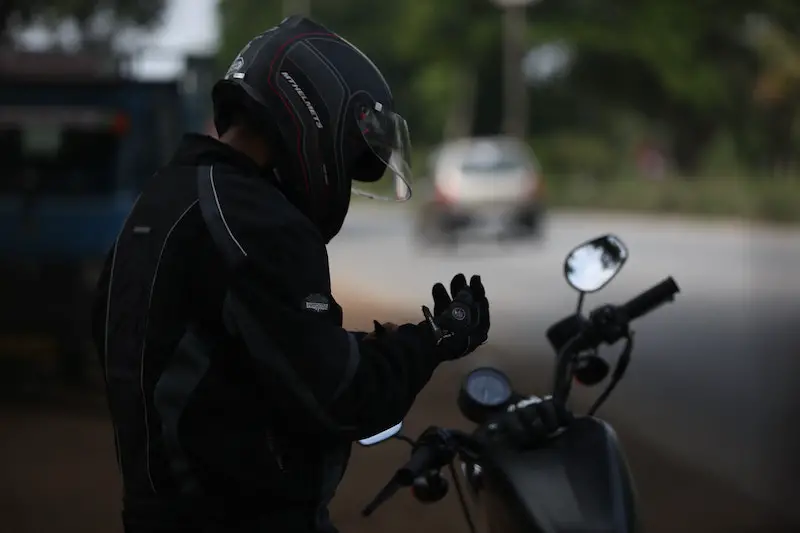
[(477, 287), (465, 296), (458, 283)]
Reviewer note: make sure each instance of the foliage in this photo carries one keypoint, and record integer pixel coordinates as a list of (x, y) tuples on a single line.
[(714, 83), (773, 201)]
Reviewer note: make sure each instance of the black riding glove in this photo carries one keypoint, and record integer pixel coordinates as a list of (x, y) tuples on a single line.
[(461, 324), (530, 422)]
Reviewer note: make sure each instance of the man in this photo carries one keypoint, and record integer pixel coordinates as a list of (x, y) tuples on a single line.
[(234, 391)]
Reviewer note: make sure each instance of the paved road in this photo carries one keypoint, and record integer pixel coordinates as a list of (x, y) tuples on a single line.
[(713, 378)]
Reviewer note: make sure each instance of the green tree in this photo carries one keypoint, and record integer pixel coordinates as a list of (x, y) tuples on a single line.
[(684, 64), (682, 68), (431, 53), (777, 91), (672, 61)]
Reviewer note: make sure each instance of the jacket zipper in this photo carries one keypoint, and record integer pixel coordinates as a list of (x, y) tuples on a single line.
[(275, 453)]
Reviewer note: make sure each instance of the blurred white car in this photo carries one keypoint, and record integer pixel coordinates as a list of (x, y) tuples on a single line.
[(482, 183)]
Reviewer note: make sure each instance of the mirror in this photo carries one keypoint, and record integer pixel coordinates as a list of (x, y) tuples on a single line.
[(382, 436), (590, 266)]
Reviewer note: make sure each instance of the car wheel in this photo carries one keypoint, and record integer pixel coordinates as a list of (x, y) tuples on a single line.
[(427, 229), (525, 226), (433, 229)]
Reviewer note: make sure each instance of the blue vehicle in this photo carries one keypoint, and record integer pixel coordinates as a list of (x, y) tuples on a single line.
[(74, 154)]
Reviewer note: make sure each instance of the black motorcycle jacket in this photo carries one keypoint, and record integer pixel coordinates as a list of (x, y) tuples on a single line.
[(234, 391)]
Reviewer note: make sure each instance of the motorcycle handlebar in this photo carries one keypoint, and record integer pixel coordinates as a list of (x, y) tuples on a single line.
[(420, 461), (440, 445), (651, 298)]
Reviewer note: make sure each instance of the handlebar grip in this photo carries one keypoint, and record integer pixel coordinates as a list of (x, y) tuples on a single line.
[(421, 459), (651, 298)]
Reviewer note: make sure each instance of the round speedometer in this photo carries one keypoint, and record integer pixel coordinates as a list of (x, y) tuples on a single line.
[(488, 387), (484, 391)]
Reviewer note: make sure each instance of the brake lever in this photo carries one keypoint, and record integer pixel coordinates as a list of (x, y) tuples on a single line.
[(445, 444), (397, 480), (382, 497)]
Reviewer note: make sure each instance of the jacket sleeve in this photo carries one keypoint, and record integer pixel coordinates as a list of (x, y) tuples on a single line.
[(100, 307), (364, 383)]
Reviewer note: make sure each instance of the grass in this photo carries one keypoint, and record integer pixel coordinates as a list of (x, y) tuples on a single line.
[(773, 200), (768, 200)]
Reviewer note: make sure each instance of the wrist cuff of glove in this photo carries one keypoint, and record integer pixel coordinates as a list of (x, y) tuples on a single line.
[(428, 340), (440, 352)]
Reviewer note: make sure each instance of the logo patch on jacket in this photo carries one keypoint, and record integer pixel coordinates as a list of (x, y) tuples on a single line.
[(318, 303)]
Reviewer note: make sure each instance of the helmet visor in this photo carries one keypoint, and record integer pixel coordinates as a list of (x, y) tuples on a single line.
[(386, 134)]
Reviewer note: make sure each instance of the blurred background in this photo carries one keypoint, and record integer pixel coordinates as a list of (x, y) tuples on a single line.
[(536, 125)]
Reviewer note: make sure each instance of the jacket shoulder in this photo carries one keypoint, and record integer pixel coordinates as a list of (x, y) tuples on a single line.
[(247, 214)]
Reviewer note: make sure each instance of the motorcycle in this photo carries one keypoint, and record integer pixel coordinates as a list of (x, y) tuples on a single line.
[(531, 476)]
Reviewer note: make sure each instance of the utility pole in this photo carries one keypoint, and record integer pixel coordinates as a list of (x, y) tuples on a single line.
[(515, 90)]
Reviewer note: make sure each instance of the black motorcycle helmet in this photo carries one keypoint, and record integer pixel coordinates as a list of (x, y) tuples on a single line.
[(327, 110)]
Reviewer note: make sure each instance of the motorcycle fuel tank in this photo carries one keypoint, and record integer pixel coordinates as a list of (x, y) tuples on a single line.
[(578, 482)]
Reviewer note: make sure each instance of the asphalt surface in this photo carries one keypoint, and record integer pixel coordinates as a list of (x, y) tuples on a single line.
[(712, 381)]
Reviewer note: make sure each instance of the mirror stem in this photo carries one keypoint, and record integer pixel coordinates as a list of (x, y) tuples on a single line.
[(403, 438), (581, 296)]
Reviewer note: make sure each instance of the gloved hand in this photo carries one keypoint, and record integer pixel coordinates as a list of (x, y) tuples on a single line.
[(529, 422), (461, 324)]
